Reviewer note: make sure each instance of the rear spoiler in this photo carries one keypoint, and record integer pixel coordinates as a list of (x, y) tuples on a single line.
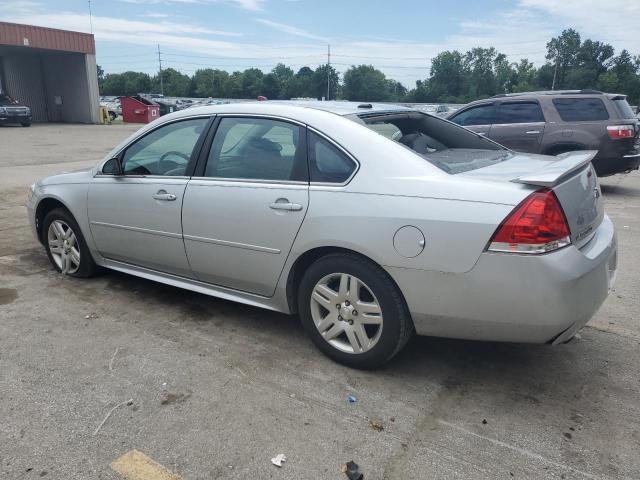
[(552, 173)]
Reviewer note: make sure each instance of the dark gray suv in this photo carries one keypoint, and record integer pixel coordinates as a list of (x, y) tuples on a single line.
[(560, 121)]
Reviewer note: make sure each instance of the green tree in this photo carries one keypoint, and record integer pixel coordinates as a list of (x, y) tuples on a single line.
[(447, 75), (271, 88), (319, 82), (365, 83), (563, 53), (174, 83), (252, 83), (127, 83)]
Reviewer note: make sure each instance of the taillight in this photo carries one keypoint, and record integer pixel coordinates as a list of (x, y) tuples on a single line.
[(537, 225), (616, 132)]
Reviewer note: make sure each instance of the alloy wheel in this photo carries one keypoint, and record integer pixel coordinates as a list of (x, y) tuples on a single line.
[(64, 247), (346, 313)]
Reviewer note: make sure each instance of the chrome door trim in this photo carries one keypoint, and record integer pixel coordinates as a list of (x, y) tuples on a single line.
[(266, 116), (137, 229), (227, 243), (220, 181)]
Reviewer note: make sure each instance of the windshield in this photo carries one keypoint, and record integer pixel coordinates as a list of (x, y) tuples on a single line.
[(623, 108), (6, 99), (447, 146)]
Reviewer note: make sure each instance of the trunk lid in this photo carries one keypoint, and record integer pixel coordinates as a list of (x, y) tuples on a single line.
[(570, 175)]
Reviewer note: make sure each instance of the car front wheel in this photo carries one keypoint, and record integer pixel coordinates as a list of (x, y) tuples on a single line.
[(25, 124), (65, 245), (353, 311)]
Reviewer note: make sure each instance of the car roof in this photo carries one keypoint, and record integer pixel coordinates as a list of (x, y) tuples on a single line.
[(342, 108)]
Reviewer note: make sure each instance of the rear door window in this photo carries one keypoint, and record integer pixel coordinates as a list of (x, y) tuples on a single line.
[(519, 112), (257, 149), (480, 115), (581, 109)]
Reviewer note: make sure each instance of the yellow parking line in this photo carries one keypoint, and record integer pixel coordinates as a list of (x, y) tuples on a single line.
[(135, 465)]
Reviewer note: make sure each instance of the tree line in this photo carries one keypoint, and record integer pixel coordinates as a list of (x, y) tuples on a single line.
[(454, 77)]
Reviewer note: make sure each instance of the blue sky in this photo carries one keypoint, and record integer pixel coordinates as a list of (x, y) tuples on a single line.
[(397, 36)]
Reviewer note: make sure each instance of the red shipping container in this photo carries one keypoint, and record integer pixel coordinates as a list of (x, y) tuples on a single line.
[(139, 110)]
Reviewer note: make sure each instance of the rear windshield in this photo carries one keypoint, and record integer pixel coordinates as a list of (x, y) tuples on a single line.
[(623, 108), (449, 147), (581, 109)]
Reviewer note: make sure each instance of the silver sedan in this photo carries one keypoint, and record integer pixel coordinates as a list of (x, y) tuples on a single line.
[(372, 222)]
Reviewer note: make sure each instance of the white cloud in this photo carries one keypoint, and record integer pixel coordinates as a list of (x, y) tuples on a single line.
[(612, 21), (290, 29), (112, 27), (253, 5)]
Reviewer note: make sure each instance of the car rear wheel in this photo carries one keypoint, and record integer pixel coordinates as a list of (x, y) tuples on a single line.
[(65, 245), (353, 311), (113, 116)]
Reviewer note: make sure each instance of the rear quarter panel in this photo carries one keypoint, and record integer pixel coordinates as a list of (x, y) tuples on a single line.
[(456, 232)]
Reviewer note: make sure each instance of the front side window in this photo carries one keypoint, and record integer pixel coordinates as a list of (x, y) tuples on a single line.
[(519, 112), (581, 109), (166, 151), (482, 115), (327, 163), (257, 149)]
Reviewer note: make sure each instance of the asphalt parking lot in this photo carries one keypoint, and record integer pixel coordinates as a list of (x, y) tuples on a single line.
[(217, 389)]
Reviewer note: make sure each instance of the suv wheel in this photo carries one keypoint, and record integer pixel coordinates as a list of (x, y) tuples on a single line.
[(25, 124), (353, 311), (65, 245)]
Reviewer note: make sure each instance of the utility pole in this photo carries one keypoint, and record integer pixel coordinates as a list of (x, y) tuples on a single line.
[(160, 65), (555, 71), (90, 18), (328, 70)]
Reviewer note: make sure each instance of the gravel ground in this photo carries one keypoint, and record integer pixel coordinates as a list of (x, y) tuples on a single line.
[(218, 388)]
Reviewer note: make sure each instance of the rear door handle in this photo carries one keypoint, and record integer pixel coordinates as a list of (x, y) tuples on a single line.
[(163, 195), (284, 204), (532, 132)]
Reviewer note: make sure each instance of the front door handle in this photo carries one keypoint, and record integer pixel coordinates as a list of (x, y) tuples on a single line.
[(532, 132), (284, 204), (163, 195)]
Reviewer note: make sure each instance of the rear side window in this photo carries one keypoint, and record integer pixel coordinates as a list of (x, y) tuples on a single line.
[(327, 163), (623, 108), (581, 109), (519, 112), (481, 115)]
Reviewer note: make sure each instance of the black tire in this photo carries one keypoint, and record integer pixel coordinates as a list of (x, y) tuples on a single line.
[(87, 267), (25, 124), (397, 326), (113, 116)]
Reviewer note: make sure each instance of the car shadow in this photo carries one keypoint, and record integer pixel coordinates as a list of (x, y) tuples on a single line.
[(458, 361), (619, 190)]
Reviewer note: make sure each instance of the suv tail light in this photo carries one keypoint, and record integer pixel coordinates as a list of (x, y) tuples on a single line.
[(537, 225), (616, 132)]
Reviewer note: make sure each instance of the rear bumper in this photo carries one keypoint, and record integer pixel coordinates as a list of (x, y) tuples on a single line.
[(515, 298), (619, 164)]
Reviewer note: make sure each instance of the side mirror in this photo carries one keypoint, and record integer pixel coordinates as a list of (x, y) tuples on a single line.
[(112, 167)]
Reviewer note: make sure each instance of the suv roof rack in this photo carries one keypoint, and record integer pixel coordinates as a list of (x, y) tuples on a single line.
[(551, 92)]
